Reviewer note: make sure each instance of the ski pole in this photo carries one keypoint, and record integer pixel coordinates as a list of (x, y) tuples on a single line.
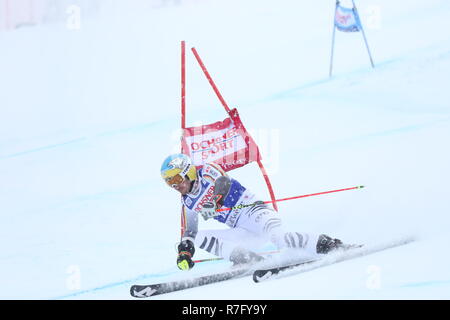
[(290, 198)]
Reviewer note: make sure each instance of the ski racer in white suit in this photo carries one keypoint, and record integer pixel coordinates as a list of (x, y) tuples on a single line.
[(209, 189)]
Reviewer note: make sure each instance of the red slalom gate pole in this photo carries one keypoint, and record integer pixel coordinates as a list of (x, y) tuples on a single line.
[(183, 116), (183, 85), (211, 81), (296, 197)]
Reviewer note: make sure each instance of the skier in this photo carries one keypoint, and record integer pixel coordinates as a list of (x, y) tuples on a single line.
[(205, 191)]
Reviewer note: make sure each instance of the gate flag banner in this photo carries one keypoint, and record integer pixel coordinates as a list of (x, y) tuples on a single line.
[(226, 143), (347, 19)]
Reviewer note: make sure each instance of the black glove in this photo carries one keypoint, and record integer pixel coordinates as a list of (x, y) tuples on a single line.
[(186, 251)]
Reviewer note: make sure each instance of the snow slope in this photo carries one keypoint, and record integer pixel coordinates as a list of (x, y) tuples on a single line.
[(87, 116)]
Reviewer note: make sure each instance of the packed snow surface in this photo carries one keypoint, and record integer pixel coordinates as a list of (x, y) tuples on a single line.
[(88, 114)]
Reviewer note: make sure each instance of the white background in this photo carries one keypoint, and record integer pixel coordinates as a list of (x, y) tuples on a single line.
[(90, 107)]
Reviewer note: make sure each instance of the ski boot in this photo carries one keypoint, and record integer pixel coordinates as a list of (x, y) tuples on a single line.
[(326, 244)]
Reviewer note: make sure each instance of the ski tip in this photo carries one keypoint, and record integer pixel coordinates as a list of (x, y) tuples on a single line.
[(360, 187), (139, 291), (134, 292)]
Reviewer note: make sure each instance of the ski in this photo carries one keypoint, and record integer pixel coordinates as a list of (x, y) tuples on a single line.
[(260, 275), (264, 274), (150, 290)]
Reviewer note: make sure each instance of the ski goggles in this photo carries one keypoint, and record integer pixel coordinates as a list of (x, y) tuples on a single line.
[(175, 180)]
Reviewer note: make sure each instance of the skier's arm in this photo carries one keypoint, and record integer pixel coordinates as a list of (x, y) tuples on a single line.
[(190, 223), (186, 247), (222, 188)]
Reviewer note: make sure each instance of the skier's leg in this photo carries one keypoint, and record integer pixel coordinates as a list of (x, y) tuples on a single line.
[(267, 223), (236, 244)]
